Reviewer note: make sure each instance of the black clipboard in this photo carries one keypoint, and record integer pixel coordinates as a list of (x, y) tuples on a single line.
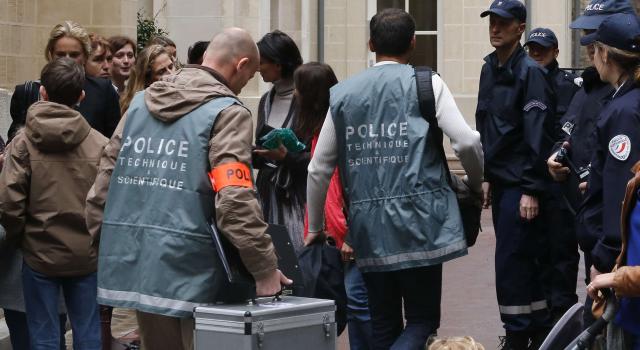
[(237, 274)]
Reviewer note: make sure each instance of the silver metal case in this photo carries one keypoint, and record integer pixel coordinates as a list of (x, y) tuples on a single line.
[(268, 324)]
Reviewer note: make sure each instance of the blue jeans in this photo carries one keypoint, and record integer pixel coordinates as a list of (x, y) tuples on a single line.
[(358, 318), (41, 294), (19, 331), (419, 290)]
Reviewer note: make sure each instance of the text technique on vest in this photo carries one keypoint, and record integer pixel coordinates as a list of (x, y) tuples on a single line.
[(153, 162), (388, 143)]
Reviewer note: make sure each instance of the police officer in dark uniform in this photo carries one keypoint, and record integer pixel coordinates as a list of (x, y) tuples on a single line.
[(578, 127), (617, 132), (560, 264), (515, 117)]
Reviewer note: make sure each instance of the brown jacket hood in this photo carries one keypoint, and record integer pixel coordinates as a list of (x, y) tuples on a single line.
[(53, 127), (177, 95)]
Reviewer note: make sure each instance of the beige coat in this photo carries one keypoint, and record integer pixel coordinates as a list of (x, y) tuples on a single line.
[(238, 212), (626, 281), (48, 170)]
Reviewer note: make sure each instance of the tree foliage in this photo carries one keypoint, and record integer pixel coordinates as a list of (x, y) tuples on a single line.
[(147, 28)]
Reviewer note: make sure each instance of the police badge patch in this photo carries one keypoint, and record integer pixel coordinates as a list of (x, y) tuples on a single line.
[(620, 147)]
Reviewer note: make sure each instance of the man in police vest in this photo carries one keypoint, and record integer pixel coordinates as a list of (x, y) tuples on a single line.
[(560, 264), (403, 217), (516, 121), (180, 157)]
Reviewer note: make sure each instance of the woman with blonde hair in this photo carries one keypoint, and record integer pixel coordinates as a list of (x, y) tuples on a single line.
[(152, 64), (100, 106), (617, 136)]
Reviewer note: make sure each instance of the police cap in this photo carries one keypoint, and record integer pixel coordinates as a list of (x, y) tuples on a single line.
[(598, 10), (543, 36), (507, 9), (620, 31)]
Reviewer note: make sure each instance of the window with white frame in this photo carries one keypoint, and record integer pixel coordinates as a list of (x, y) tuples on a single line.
[(425, 13)]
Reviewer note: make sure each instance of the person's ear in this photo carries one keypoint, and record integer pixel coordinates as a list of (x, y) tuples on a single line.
[(522, 27), (412, 45), (371, 47), (242, 64), (43, 93), (82, 95), (556, 52)]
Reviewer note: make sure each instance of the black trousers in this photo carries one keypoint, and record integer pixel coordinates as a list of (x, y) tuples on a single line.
[(519, 286), (420, 291), (561, 258)]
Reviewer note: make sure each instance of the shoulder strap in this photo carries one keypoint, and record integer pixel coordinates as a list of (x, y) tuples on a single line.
[(427, 103)]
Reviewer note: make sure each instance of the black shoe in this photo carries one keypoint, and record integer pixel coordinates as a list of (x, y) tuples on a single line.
[(537, 338), (514, 341)]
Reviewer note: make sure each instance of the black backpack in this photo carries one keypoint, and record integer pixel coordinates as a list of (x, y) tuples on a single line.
[(470, 203)]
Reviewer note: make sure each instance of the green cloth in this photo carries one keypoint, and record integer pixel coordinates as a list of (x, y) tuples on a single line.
[(284, 136)]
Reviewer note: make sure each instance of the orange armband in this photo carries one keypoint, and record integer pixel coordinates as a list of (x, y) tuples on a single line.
[(230, 174)]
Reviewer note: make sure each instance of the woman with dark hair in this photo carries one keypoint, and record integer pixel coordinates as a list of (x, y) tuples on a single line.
[(195, 54), (313, 82), (282, 179)]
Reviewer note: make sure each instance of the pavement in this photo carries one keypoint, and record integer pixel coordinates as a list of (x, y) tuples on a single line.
[(469, 305)]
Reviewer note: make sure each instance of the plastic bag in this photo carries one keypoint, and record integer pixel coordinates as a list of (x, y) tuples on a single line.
[(284, 136)]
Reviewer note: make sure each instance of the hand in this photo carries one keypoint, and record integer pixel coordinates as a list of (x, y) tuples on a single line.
[(528, 207), (582, 187), (272, 154), (558, 171), (271, 284), (313, 237), (600, 281), (593, 273), (347, 252), (486, 195)]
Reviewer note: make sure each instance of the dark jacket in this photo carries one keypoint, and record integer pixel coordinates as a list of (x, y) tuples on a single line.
[(516, 122), (611, 163), (294, 164), (100, 106), (48, 170), (578, 125), (564, 87)]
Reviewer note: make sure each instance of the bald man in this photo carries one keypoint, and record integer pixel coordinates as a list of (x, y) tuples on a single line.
[(181, 153)]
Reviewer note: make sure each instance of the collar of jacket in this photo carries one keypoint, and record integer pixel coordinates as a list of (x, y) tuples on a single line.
[(211, 71), (627, 86), (591, 79), (504, 74), (553, 67)]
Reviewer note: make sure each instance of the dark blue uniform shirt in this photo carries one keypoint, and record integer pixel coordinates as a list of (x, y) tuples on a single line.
[(515, 117), (564, 88), (617, 135)]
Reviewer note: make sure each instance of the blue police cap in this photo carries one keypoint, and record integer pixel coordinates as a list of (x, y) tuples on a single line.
[(543, 36), (598, 10), (507, 9), (620, 31)]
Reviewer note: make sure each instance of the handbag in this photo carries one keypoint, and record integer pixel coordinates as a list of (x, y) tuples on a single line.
[(469, 202)]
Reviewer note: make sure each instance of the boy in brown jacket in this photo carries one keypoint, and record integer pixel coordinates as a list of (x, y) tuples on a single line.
[(49, 167)]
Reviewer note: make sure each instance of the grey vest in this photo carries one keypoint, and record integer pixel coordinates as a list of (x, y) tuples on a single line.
[(401, 211), (156, 248)]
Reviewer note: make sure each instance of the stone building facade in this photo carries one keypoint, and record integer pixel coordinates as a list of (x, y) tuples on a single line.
[(451, 36)]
